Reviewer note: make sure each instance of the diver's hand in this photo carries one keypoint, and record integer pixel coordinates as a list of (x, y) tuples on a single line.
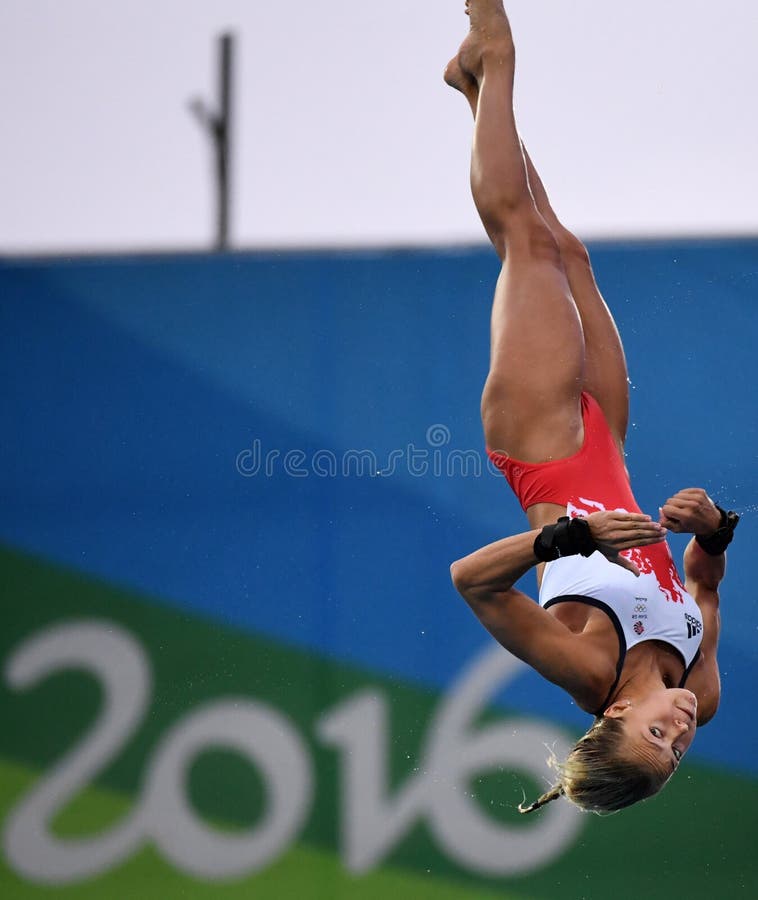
[(615, 531), (690, 511)]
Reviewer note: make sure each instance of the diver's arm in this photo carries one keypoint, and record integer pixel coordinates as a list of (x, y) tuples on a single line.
[(486, 580), (691, 511), (703, 574), (703, 569)]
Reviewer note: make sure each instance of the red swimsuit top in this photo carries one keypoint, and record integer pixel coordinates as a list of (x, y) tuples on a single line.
[(594, 478), (595, 471)]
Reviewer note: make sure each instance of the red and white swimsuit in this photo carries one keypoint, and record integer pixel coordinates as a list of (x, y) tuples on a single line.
[(654, 606)]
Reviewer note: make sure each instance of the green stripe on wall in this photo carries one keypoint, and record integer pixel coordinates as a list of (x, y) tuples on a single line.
[(302, 872), (696, 839)]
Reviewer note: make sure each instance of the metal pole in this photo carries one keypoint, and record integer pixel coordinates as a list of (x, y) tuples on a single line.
[(219, 125), (222, 141)]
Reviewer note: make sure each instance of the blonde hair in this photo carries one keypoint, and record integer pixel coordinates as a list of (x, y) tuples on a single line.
[(598, 777)]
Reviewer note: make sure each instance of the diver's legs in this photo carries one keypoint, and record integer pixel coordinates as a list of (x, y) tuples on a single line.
[(605, 372), (530, 404)]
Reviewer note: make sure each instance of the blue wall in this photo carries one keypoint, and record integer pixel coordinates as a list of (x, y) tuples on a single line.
[(132, 386)]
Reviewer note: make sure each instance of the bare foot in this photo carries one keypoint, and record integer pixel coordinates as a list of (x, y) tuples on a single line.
[(486, 14), (490, 34)]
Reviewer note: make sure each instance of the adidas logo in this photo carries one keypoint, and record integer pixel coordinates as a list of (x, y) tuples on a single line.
[(694, 626)]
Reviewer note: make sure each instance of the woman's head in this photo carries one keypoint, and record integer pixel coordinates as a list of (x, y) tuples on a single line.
[(628, 754), (659, 727)]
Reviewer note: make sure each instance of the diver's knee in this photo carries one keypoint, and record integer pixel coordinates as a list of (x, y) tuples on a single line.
[(528, 235), (572, 249)]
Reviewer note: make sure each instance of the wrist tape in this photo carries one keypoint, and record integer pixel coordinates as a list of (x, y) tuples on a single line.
[(567, 537), (715, 544)]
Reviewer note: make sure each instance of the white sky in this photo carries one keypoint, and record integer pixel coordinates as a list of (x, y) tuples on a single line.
[(641, 116)]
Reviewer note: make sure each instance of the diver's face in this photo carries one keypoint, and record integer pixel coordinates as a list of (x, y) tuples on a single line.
[(659, 727)]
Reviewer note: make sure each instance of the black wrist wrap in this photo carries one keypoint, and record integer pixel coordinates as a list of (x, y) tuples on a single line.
[(566, 538), (715, 544)]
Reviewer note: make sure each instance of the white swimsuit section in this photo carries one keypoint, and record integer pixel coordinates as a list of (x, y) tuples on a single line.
[(639, 608)]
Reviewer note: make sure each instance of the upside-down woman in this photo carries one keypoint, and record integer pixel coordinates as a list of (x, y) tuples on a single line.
[(615, 626)]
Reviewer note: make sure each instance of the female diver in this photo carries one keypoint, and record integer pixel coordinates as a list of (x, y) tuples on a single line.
[(615, 627)]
